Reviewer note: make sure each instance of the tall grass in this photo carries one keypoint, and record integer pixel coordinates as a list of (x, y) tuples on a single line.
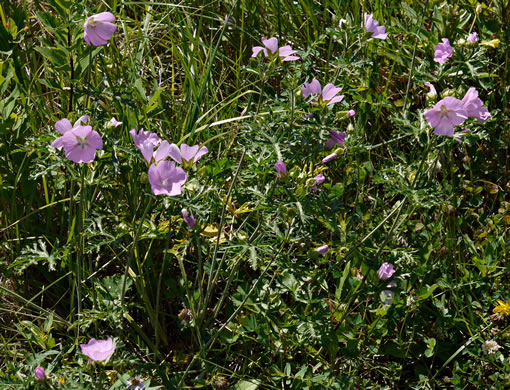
[(243, 299)]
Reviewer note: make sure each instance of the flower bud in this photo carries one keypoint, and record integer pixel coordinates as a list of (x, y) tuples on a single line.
[(281, 169), (385, 271), (478, 9), (188, 218), (39, 373), (322, 250)]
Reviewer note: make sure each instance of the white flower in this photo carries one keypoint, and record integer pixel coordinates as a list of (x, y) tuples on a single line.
[(135, 384), (490, 347)]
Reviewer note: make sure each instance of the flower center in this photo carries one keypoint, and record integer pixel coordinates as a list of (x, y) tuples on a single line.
[(444, 112), (82, 142)]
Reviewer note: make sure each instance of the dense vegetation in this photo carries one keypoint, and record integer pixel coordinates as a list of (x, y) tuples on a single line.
[(346, 245)]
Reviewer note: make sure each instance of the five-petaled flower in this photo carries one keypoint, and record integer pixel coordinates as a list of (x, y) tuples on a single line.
[(166, 178), (98, 350), (328, 95), (372, 26), (443, 51), (186, 154), (79, 142), (99, 28), (448, 112), (271, 48)]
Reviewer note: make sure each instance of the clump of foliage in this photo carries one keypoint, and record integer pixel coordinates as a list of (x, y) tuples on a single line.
[(318, 198)]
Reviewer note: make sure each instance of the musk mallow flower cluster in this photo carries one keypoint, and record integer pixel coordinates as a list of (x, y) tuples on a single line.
[(372, 26), (99, 28), (328, 95), (79, 141), (271, 49), (450, 112), (164, 176)]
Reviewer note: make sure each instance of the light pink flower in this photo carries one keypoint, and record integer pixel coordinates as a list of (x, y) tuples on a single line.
[(336, 137), (448, 112), (443, 51), (98, 350), (64, 125), (187, 154), (372, 26), (322, 250), (39, 373), (386, 271), (328, 94), (271, 47), (351, 113), (146, 141), (166, 178), (474, 106), (99, 28), (80, 144), (319, 179), (473, 37), (115, 123), (281, 169)]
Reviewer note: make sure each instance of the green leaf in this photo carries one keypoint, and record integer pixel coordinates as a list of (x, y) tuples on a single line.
[(247, 385)]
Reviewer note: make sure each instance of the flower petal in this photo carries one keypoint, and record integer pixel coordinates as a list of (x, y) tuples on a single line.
[(63, 126)]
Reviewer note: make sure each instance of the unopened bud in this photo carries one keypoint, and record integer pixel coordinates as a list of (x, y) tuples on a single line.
[(478, 9)]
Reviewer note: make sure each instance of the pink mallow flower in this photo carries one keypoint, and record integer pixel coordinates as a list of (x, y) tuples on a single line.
[(98, 350), (474, 106), (473, 37), (443, 51), (372, 26), (64, 125), (80, 142), (99, 28), (448, 112), (166, 178), (386, 271), (188, 218), (115, 123), (281, 169), (319, 179), (271, 44), (39, 373), (336, 137), (146, 141), (351, 113), (186, 154), (328, 95)]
